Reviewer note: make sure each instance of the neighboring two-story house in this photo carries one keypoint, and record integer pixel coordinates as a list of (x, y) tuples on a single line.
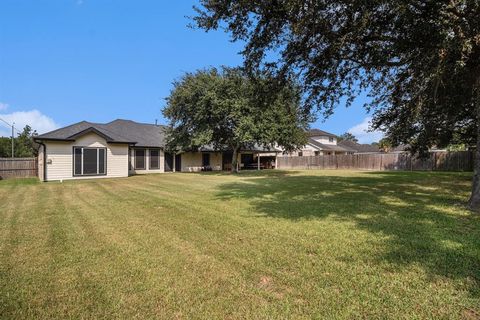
[(321, 143)]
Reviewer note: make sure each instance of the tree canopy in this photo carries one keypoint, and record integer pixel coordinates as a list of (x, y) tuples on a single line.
[(24, 146), (419, 60), (229, 111), (347, 136)]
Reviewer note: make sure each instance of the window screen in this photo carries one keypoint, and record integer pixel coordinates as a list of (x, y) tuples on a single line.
[(140, 159), (154, 159), (77, 161), (89, 161), (101, 161)]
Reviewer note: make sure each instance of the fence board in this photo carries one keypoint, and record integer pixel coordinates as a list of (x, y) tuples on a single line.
[(437, 161), (18, 168)]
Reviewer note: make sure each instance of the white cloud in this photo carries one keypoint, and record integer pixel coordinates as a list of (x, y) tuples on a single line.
[(33, 118), (360, 131), (3, 106)]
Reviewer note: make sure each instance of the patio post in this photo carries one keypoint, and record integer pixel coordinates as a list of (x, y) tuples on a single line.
[(258, 161), (173, 157)]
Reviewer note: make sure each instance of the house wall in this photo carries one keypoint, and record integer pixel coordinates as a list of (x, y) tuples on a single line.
[(325, 140), (307, 150), (192, 161), (147, 169), (41, 161), (59, 157)]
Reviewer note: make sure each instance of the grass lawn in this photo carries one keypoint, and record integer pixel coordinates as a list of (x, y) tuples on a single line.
[(305, 244)]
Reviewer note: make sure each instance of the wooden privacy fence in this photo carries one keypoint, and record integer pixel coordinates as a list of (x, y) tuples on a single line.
[(437, 161), (18, 167)]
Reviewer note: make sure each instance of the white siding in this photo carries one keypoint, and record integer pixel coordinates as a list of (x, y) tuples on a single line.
[(192, 161), (325, 140), (41, 161), (60, 157)]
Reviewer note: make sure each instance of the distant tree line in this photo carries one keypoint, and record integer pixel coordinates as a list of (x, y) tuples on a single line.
[(24, 146)]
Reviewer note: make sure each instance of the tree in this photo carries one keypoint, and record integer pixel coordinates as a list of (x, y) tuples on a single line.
[(229, 111), (5, 147), (418, 59), (24, 146), (347, 136), (385, 145)]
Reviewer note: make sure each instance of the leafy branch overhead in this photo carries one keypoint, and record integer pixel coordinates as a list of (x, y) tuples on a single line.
[(419, 60)]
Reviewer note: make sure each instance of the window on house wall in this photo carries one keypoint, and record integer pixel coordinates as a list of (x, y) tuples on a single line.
[(317, 153), (205, 159), (139, 159), (330, 139), (300, 154), (89, 161), (154, 159)]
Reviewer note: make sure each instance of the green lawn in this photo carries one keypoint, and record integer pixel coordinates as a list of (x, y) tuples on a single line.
[(321, 244)]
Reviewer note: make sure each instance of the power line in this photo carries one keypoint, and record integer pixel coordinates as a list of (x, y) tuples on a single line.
[(9, 125)]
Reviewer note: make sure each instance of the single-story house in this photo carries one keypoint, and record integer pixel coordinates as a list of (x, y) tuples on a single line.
[(123, 147), (321, 143)]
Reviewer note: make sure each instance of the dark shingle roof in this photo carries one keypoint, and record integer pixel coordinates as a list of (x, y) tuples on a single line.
[(117, 131), (318, 132), (144, 134), (358, 147)]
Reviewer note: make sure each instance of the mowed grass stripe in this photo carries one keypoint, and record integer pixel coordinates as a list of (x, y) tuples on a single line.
[(163, 257), (257, 245), (148, 218)]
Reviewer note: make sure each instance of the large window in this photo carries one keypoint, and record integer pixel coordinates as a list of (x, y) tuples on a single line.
[(140, 159), (89, 161), (154, 159)]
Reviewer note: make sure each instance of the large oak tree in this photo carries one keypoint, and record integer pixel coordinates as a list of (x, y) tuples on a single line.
[(229, 111), (418, 59)]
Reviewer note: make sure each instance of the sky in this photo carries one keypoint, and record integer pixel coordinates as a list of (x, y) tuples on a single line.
[(64, 61)]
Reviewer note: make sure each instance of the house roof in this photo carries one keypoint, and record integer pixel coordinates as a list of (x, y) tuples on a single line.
[(318, 132), (329, 147), (358, 147), (117, 131), (145, 134)]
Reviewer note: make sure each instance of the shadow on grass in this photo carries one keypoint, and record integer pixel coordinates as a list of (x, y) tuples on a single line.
[(247, 173), (420, 213)]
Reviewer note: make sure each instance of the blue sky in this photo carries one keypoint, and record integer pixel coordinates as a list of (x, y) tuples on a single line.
[(63, 61)]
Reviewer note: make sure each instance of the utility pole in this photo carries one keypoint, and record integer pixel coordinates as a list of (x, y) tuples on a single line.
[(13, 143)]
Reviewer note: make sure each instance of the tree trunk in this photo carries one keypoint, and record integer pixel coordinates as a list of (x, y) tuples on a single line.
[(474, 202), (235, 160)]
